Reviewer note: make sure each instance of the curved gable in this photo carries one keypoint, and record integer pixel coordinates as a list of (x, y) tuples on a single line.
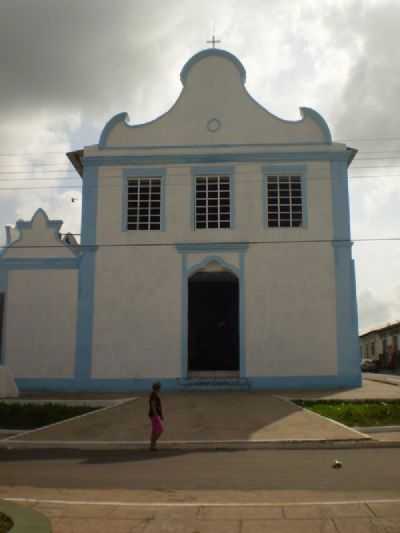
[(214, 108)]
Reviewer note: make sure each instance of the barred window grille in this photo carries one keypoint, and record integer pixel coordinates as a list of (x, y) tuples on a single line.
[(284, 201), (144, 203), (213, 202)]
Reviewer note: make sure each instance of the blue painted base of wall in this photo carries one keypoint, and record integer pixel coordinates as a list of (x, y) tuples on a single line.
[(174, 384), (306, 382)]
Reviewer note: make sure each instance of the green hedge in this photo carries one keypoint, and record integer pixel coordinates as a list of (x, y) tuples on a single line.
[(368, 413), (31, 416)]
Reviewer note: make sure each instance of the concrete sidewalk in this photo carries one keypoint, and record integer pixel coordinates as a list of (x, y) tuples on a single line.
[(198, 417), (100, 514), (373, 388), (221, 419)]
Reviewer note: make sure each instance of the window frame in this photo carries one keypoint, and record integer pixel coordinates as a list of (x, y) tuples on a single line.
[(213, 172), (150, 173), (299, 171)]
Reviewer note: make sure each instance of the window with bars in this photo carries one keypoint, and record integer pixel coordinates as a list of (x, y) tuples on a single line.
[(284, 201), (213, 202), (144, 203)]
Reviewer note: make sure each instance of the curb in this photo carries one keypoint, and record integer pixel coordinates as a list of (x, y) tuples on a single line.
[(378, 429), (362, 443), (385, 381), (25, 519)]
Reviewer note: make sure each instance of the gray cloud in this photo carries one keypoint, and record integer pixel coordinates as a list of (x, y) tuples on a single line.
[(66, 66)]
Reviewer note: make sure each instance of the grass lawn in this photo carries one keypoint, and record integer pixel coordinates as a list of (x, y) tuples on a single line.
[(31, 416), (5, 523), (366, 413)]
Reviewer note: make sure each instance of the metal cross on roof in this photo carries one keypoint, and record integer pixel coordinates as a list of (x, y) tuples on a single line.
[(213, 41)]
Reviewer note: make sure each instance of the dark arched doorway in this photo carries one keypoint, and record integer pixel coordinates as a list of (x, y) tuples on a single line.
[(213, 340)]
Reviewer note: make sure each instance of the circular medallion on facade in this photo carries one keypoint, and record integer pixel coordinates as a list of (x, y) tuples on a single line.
[(213, 125)]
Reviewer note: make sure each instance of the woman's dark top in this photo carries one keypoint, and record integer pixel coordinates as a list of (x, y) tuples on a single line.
[(155, 401)]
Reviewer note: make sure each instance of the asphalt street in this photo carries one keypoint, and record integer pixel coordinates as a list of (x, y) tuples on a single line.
[(365, 471)]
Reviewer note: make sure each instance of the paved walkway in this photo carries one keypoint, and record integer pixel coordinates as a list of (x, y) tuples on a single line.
[(200, 416), (374, 387), (192, 517), (212, 417)]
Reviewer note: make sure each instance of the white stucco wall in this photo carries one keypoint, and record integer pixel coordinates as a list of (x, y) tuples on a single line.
[(137, 318), (38, 239), (213, 89), (248, 206), (40, 323), (290, 310)]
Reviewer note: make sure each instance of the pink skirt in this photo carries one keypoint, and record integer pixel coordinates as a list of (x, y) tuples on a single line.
[(156, 424)]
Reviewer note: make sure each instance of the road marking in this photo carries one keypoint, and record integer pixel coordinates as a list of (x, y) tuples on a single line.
[(196, 504)]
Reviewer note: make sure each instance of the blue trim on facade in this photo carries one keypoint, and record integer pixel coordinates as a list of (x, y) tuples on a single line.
[(242, 315), (174, 384), (93, 385), (354, 314), (285, 170), (184, 317), (87, 272), (340, 201), (305, 382), (348, 348), (148, 172), (307, 112), (212, 171), (212, 259), (22, 225), (27, 224), (33, 263), (193, 159), (3, 289), (232, 200), (188, 272), (141, 147), (212, 52), (192, 247), (304, 200), (116, 119)]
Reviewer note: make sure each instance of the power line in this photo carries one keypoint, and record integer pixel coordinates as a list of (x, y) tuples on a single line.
[(169, 244), (63, 153), (252, 178)]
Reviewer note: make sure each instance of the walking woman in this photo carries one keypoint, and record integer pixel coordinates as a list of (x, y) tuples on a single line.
[(156, 415)]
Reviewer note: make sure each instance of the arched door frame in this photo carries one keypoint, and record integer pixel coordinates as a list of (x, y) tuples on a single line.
[(187, 272)]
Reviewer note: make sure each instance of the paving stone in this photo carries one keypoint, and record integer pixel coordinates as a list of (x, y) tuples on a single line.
[(241, 513), (385, 510), (391, 526), (288, 526), (51, 511), (82, 511), (60, 525), (359, 525), (195, 526), (85, 525), (327, 511), (132, 513)]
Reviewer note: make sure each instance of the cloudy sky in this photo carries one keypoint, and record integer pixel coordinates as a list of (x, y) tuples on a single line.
[(67, 66)]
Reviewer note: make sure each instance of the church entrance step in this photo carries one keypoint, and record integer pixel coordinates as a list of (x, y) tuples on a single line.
[(241, 384)]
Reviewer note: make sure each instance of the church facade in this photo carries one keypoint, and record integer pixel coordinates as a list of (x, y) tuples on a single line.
[(215, 248)]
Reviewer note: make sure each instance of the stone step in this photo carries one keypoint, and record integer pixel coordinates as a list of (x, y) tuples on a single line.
[(215, 384)]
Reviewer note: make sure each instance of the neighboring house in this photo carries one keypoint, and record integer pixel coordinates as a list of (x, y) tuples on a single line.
[(215, 245), (382, 344)]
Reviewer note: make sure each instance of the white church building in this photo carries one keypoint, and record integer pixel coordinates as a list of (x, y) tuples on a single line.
[(215, 250)]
